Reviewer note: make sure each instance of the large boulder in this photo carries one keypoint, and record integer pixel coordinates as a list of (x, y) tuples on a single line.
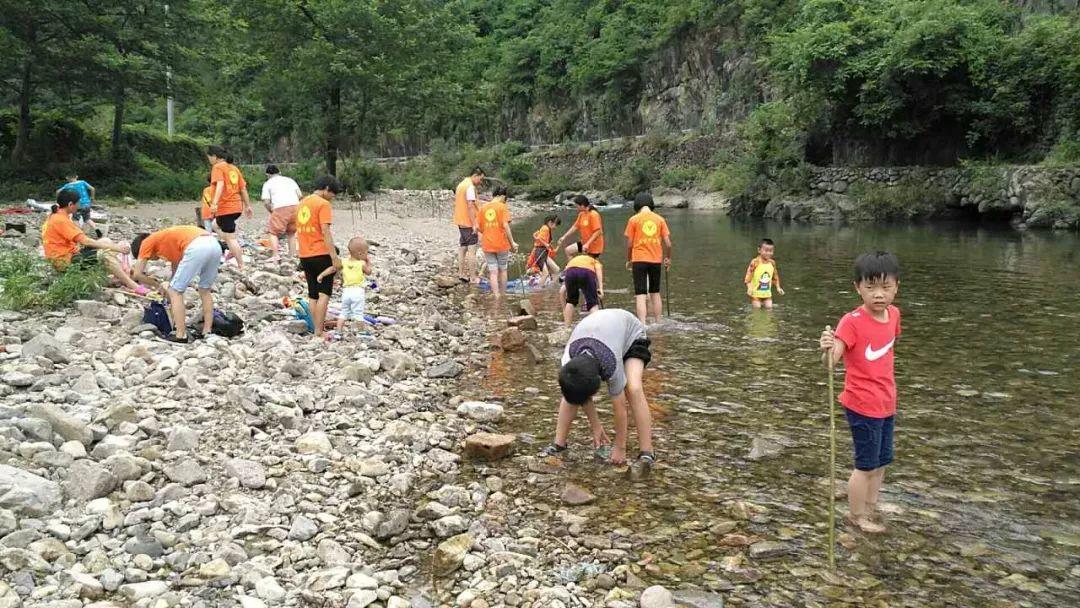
[(71, 429), (26, 493), (450, 554), (44, 345), (510, 339), (88, 480)]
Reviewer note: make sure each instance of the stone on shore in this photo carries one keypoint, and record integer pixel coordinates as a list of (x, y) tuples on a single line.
[(656, 597), (481, 411), (489, 446), (510, 339), (26, 493), (450, 554), (250, 473), (448, 369), (524, 322), (576, 495), (314, 443)]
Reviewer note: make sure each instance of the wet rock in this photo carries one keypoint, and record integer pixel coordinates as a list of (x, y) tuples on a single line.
[(656, 597), (576, 495), (250, 473), (489, 446), (481, 411), (763, 447), (88, 480), (448, 369), (27, 494), (525, 322), (314, 443), (768, 549), (446, 281), (450, 554), (692, 598), (44, 345), (510, 339)]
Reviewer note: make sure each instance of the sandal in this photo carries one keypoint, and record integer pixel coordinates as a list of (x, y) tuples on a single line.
[(603, 453), (553, 450), (178, 340)]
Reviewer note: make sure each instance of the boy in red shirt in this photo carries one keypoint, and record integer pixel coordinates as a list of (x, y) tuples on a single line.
[(864, 339)]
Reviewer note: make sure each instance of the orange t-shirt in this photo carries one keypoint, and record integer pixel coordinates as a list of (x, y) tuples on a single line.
[(207, 198), (543, 237), (492, 217), (170, 243), (587, 223), (230, 201), (584, 261), (646, 231), (462, 202), (61, 237), (314, 211)]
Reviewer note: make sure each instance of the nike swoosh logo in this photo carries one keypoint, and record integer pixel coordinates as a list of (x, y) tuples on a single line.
[(874, 355)]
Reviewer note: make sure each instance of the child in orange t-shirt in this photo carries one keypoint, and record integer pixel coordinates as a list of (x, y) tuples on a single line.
[(648, 252), (542, 258)]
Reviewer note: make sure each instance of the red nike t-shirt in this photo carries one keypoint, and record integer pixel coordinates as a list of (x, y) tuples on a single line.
[(869, 384)]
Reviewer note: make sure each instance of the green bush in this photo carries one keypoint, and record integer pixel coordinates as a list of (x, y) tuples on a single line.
[(178, 152), (517, 171), (359, 175), (910, 197), (681, 177), (1065, 152), (636, 176), (28, 282)]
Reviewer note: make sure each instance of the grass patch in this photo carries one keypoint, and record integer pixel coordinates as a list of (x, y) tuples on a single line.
[(681, 177), (28, 282), (909, 198)]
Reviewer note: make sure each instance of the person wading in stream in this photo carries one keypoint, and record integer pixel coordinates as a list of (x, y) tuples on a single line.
[(864, 339), (590, 227), (648, 252), (466, 218), (609, 345)]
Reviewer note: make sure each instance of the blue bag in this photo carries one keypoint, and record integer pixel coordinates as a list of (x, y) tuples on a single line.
[(157, 315)]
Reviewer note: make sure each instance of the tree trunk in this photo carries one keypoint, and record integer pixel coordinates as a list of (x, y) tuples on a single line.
[(333, 128), (26, 85), (119, 101)]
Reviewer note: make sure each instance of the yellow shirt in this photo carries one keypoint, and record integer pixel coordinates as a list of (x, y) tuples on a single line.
[(760, 277), (352, 272)]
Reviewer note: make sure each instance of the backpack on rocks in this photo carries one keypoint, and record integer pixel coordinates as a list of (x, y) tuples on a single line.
[(157, 315), (227, 324)]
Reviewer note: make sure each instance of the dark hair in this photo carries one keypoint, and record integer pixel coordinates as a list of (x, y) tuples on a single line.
[(272, 170), (478, 171), (553, 218), (217, 151), (223, 245), (581, 200), (65, 198), (136, 243), (876, 265), (328, 182), (766, 242), (500, 191), (579, 379), (229, 158), (643, 199)]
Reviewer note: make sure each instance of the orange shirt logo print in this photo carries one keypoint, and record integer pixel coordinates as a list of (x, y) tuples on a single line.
[(649, 228), (234, 177), (303, 218)]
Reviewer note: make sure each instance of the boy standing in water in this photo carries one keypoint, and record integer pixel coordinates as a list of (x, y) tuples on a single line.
[(864, 339), (648, 252), (609, 345), (762, 275)]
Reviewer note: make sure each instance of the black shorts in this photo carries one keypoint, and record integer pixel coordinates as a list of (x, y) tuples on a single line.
[(639, 350), (81, 214), (227, 223), (540, 256), (312, 268), (581, 249), (578, 281), (646, 277), (466, 237)]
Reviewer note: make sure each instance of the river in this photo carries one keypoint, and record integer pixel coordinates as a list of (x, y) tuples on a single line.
[(985, 489)]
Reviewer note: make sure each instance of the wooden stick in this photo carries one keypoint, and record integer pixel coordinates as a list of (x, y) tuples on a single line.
[(832, 459)]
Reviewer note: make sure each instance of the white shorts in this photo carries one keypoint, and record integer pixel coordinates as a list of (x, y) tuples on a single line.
[(352, 303), (201, 258)]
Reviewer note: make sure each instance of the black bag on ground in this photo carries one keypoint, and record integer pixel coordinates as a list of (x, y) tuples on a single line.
[(227, 324), (157, 315)]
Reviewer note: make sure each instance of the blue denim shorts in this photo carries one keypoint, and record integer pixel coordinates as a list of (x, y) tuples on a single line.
[(872, 439)]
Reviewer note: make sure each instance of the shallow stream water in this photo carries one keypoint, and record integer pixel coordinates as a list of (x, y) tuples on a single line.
[(985, 490)]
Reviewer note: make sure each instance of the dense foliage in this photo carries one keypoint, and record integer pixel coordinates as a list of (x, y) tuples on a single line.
[(84, 82)]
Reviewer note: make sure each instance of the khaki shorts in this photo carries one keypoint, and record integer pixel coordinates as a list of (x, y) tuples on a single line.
[(282, 220)]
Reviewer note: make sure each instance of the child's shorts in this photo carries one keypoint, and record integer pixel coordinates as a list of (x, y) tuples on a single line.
[(81, 215), (872, 439), (352, 303), (497, 261), (202, 257), (582, 281)]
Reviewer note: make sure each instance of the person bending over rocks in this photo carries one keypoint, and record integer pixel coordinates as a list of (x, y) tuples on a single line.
[(192, 252), (609, 345)]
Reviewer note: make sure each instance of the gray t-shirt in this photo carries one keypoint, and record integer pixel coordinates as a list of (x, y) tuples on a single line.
[(608, 334)]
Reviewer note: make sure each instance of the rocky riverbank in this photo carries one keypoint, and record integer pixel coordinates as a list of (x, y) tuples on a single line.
[(271, 470)]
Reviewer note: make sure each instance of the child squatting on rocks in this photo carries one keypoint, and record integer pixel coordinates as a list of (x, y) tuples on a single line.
[(354, 271), (864, 339), (608, 345)]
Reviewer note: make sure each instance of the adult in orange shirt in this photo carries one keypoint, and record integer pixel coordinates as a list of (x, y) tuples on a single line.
[(590, 226), (192, 252), (65, 244), (230, 199), (466, 214), (648, 253), (317, 251), (496, 239)]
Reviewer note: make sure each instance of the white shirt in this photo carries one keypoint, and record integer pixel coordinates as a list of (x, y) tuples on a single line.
[(470, 193), (281, 191)]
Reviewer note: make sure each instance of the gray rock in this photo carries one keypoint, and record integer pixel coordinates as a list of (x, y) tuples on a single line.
[(250, 473), (8, 522), (325, 580), (449, 369), (450, 554), (18, 379), (27, 494), (144, 545), (88, 480), (44, 345), (449, 526), (362, 599), (763, 447), (657, 597), (313, 443), (185, 471), (140, 591), (269, 589), (395, 523), (182, 439), (768, 549), (303, 528), (68, 427), (693, 598), (331, 553), (481, 411)]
